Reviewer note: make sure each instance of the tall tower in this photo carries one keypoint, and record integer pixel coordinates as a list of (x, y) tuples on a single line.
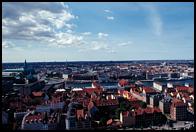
[(25, 65)]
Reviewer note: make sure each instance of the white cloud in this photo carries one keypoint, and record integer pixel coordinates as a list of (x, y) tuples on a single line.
[(157, 23), (40, 22), (101, 35), (64, 5), (69, 31), (86, 33), (112, 51), (108, 11), (70, 26), (25, 18), (125, 43), (99, 46), (65, 39), (155, 18), (110, 18), (58, 20), (7, 44)]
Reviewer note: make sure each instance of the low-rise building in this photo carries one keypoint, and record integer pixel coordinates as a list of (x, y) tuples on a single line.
[(141, 117), (19, 115), (40, 121), (159, 86), (127, 119), (123, 83), (77, 120), (154, 100), (178, 110), (147, 92), (165, 104)]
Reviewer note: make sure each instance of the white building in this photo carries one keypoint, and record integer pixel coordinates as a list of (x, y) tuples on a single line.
[(65, 76), (159, 86)]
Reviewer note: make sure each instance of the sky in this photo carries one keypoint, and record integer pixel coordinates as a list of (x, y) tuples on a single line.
[(95, 31)]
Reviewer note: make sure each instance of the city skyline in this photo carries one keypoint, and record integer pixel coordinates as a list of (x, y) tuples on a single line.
[(97, 31)]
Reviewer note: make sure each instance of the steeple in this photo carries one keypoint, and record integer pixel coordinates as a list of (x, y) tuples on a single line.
[(25, 65)]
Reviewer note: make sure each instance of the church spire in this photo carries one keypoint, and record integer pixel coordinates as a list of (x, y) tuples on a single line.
[(25, 65)]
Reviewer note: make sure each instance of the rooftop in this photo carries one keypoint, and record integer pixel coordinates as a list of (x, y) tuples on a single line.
[(37, 94), (177, 102), (149, 90)]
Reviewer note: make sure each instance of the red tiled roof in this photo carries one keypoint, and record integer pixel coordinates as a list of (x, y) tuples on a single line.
[(170, 90), (157, 110), (149, 110), (80, 113), (33, 117), (138, 112), (182, 88), (129, 94), (186, 95), (132, 85), (125, 92), (120, 91), (123, 82), (116, 123), (132, 99), (177, 102), (149, 90), (136, 105), (109, 121), (106, 102), (125, 113), (91, 90), (37, 94), (95, 84)]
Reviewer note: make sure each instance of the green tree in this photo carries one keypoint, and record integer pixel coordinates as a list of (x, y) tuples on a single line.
[(117, 113), (103, 121), (35, 101), (143, 104)]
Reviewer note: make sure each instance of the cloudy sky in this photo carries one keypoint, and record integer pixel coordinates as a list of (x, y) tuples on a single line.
[(97, 31)]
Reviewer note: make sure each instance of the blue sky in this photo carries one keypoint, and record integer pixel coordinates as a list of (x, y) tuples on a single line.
[(97, 31)]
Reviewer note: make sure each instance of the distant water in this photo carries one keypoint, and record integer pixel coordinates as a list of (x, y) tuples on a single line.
[(181, 82), (149, 83), (90, 85)]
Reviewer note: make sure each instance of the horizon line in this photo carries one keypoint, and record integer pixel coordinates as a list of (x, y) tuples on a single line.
[(102, 60)]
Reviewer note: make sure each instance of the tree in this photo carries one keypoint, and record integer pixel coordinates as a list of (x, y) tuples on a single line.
[(35, 101), (103, 121), (143, 104), (125, 105), (117, 113), (122, 106)]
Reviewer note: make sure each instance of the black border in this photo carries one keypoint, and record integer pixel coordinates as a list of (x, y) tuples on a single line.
[(94, 1)]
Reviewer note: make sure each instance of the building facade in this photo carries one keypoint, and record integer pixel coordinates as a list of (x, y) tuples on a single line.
[(178, 110)]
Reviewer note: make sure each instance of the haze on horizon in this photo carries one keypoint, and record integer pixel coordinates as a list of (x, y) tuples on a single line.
[(97, 31)]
